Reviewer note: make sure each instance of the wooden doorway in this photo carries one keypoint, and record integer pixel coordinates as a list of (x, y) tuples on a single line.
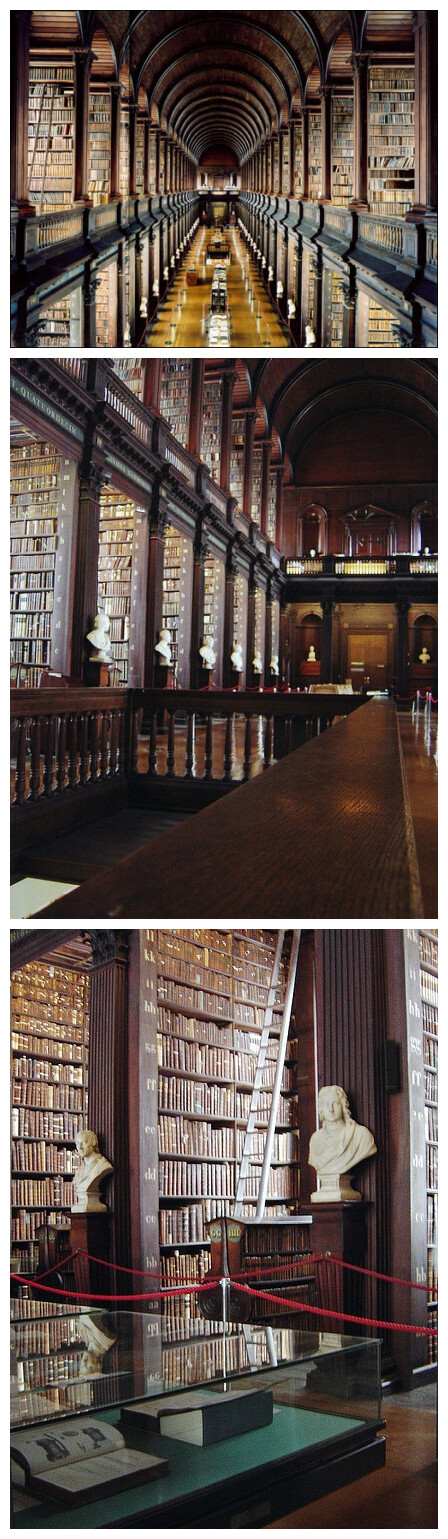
[(367, 659)]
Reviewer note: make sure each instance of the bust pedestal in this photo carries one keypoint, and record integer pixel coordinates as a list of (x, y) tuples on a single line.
[(96, 675), (339, 1227), (90, 1232)]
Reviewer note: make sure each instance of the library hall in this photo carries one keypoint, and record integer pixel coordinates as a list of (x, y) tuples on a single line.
[(224, 1228), (242, 179), (224, 637)]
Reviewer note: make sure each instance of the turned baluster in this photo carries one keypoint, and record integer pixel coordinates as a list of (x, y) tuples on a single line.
[(49, 747), (247, 748), (104, 745), (35, 760), (227, 775), (134, 742), (113, 743), (208, 755), (21, 765), (93, 745), (84, 748), (189, 756), (170, 748), (62, 743), (73, 751), (152, 758)]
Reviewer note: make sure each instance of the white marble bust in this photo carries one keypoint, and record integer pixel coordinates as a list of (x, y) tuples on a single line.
[(274, 663), (207, 652), (337, 1146), (236, 657), (90, 1174), (163, 647), (100, 640)]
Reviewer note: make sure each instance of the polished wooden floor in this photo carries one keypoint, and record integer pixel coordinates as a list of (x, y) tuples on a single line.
[(404, 1493), (181, 320)]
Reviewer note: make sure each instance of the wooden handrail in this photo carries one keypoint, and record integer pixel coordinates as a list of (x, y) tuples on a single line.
[(325, 833)]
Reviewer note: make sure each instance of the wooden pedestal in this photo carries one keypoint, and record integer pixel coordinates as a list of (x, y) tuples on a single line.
[(339, 1227), (90, 1232), (97, 675)]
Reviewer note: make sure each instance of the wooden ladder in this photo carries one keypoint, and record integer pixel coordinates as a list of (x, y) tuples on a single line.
[(250, 1164)]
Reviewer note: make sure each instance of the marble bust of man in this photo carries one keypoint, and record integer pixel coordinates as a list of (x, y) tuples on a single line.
[(207, 652), (100, 640), (90, 1173), (338, 1145)]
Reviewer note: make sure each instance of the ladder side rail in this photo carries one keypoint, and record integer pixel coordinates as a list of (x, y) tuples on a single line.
[(278, 1077)]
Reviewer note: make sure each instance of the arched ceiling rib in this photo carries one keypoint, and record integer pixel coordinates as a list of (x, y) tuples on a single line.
[(266, 57)]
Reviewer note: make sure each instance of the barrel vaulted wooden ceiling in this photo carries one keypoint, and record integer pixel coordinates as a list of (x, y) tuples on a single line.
[(219, 79)]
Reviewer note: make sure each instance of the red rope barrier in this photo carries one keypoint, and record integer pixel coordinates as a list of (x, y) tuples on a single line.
[(260, 1271), (335, 1314)]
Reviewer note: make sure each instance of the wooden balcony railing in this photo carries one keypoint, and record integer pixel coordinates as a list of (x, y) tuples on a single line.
[(67, 739), (402, 564), (326, 833)]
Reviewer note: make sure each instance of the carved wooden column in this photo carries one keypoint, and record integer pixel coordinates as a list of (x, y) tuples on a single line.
[(229, 604), (108, 1070), (249, 430), (86, 563), (352, 1028), (280, 474), (425, 40), (349, 314), (325, 94), (326, 665), (228, 380), (197, 607), (251, 677), (133, 110), (196, 396), (360, 67), (20, 51), (265, 463), (402, 685), (83, 60), (157, 525), (115, 113)]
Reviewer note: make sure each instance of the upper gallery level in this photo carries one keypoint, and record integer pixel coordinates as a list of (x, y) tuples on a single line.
[(314, 131)]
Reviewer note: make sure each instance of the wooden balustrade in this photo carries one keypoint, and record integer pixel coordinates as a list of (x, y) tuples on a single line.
[(67, 739), (327, 833)]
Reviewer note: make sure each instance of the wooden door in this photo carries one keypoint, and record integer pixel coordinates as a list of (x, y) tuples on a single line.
[(367, 659)]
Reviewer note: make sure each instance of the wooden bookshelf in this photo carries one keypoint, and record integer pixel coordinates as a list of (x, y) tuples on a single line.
[(240, 605), (276, 164), (236, 480), (271, 521), (307, 289), (255, 499), (336, 311), (298, 150), (152, 161), (391, 139), (139, 156), (380, 333), (99, 146), (51, 136), (342, 149), (259, 621), (428, 948), (212, 991), (35, 497), (131, 371), (57, 319), (175, 396), (50, 1041), (124, 152), (116, 539), (214, 585), (315, 157), (211, 425), (105, 305), (285, 165)]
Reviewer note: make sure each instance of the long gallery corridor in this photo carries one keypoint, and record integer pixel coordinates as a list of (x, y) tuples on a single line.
[(183, 318)]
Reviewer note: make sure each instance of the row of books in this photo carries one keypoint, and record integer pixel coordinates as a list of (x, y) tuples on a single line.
[(429, 949), (50, 1097), (59, 1126), (430, 1051), (30, 1068), (26, 1225), (38, 1155), (53, 1191), (432, 1165)]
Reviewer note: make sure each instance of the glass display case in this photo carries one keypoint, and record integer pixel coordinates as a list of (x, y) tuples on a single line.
[(323, 1427)]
